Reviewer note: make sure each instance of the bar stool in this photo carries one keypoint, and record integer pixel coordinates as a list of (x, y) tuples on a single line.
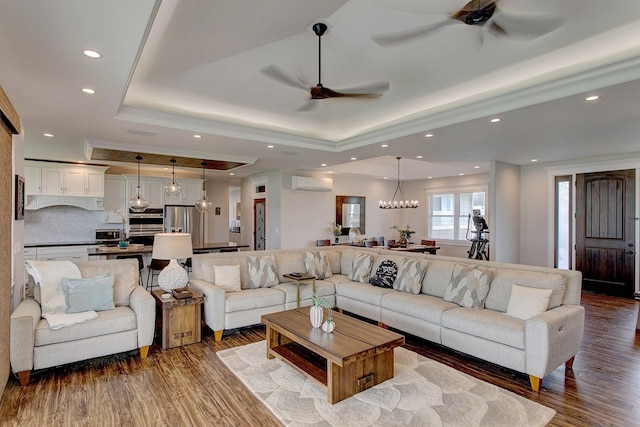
[(157, 265), (140, 264), (187, 262)]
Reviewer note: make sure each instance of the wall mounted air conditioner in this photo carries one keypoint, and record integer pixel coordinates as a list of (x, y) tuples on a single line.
[(305, 183)]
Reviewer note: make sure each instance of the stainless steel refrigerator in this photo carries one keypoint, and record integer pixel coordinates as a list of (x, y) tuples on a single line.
[(185, 219)]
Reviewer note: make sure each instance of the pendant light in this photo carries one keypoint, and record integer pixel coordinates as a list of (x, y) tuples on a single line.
[(203, 205), (138, 204), (398, 204), (172, 188)]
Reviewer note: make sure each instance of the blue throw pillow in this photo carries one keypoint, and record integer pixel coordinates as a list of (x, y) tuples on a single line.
[(95, 293)]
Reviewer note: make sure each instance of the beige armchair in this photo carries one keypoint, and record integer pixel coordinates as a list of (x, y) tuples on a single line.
[(129, 326)]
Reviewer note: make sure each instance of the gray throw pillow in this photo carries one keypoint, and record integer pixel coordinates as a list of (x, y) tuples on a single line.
[(95, 293), (262, 271), (410, 274), (317, 264), (361, 267), (469, 285)]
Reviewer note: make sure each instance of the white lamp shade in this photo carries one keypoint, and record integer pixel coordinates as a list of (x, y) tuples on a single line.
[(172, 246)]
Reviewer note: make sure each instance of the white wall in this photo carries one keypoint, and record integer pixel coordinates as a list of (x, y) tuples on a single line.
[(217, 229), (504, 212), (535, 200)]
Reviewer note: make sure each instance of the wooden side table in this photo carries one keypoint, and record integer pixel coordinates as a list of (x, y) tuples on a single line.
[(180, 319)]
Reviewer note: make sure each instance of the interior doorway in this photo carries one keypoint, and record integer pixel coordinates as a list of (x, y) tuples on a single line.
[(259, 224), (605, 231)]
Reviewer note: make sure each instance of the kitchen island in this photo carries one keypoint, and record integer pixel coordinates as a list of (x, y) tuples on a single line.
[(112, 252)]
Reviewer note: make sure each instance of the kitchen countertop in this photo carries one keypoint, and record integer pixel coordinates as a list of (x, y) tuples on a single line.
[(47, 244), (148, 249)]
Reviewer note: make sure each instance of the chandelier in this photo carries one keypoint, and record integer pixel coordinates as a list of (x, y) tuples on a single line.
[(203, 205), (398, 204), (172, 188)]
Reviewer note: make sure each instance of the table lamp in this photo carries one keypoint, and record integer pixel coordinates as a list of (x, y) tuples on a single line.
[(172, 246)]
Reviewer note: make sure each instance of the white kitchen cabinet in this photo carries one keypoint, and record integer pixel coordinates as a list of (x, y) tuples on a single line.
[(58, 179), (151, 189), (63, 253), (115, 197), (190, 193), (33, 180)]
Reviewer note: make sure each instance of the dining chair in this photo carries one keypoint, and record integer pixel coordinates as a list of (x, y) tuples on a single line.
[(428, 242), (323, 242), (157, 265)]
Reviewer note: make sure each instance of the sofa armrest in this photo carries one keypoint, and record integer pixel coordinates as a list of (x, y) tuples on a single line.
[(552, 338), (144, 306), (22, 334), (215, 300)]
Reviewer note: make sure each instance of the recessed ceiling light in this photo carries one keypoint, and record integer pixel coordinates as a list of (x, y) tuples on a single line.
[(386, 177), (231, 173), (354, 158), (48, 135), (418, 157), (495, 120), (429, 177), (270, 146), (330, 171), (428, 135), (197, 136), (88, 90), (323, 165), (476, 167), (461, 174), (534, 160), (91, 53), (165, 168), (592, 98), (384, 145)]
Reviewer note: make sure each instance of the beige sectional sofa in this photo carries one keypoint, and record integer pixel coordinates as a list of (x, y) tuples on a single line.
[(128, 326), (459, 303)]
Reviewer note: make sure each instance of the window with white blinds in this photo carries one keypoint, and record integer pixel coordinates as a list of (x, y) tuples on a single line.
[(449, 212)]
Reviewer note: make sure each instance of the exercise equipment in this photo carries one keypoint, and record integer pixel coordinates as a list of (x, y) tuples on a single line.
[(479, 240)]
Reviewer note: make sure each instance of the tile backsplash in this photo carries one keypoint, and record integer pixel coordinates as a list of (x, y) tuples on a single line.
[(63, 224)]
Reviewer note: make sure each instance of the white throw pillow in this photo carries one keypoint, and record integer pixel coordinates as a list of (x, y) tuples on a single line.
[(227, 277), (526, 302)]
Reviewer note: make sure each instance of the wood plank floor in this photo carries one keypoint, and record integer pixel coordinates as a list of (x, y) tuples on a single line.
[(190, 386)]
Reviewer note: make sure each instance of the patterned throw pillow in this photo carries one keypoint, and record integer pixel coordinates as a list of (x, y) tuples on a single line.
[(262, 271), (385, 274), (317, 264), (361, 267), (469, 285), (410, 275)]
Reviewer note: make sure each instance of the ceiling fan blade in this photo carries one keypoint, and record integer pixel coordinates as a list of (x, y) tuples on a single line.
[(310, 105), (367, 90), (526, 27), (412, 34), (281, 76)]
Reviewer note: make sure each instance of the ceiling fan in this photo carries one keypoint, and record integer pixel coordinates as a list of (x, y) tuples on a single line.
[(481, 12), (319, 91)]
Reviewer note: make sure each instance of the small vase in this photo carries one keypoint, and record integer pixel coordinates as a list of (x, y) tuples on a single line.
[(336, 239), (328, 326), (402, 241), (316, 315)]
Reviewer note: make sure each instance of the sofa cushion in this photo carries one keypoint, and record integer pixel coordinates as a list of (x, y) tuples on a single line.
[(423, 307), (526, 302), (361, 267), (108, 322), (288, 261), (262, 271), (385, 274), (486, 324), (469, 285), (338, 278), (95, 293), (125, 276), (505, 278), (410, 275), (251, 299), (227, 277), (317, 264), (362, 292), (437, 277)]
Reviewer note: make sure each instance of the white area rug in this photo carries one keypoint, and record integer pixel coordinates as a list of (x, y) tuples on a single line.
[(422, 393)]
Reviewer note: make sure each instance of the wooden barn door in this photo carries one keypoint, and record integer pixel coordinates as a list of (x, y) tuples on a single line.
[(605, 231)]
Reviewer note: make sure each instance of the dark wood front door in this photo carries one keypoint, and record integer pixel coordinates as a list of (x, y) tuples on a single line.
[(605, 230)]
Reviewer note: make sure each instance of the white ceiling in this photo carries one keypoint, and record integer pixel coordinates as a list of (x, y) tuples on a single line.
[(174, 68)]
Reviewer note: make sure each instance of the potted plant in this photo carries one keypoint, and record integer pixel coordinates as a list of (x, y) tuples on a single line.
[(316, 313), (336, 229), (405, 234)]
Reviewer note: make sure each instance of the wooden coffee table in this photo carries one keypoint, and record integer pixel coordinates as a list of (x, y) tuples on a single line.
[(351, 359)]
